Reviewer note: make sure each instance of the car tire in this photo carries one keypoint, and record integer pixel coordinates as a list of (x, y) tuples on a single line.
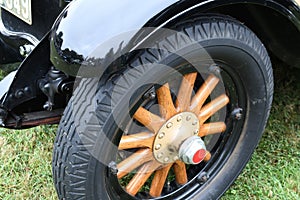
[(96, 152)]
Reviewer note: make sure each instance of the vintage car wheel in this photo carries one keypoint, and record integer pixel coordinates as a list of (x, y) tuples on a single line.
[(175, 132)]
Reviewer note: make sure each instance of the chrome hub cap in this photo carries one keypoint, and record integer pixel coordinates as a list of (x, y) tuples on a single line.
[(192, 151), (172, 140)]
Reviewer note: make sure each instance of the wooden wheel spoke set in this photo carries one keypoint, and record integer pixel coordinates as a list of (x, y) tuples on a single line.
[(174, 139)]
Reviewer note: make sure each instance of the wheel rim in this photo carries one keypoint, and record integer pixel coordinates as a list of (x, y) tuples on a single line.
[(143, 162)]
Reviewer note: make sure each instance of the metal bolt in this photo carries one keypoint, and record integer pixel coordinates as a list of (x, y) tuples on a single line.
[(160, 155), (166, 159), (48, 106), (27, 90), (66, 88), (161, 135), (150, 95), (19, 94), (26, 49), (238, 116), (158, 146), (214, 69), (188, 118), (169, 125), (113, 168), (203, 177), (196, 132), (179, 118), (195, 123), (237, 113)]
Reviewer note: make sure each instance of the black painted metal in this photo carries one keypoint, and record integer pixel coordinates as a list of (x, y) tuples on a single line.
[(86, 24), (70, 49), (28, 120), (44, 13), (8, 54), (24, 94), (51, 85), (33, 68), (15, 33)]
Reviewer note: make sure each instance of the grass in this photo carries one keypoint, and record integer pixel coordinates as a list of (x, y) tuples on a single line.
[(25, 164), (274, 170), (272, 173)]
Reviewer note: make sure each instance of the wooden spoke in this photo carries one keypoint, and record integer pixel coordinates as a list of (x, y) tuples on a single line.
[(180, 172), (207, 157), (148, 119), (203, 93), (185, 92), (142, 162), (134, 161), (141, 177), (211, 108), (167, 108), (212, 128), (139, 140), (159, 180)]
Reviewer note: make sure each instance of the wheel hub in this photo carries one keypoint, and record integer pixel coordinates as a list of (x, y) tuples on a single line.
[(192, 151), (178, 139)]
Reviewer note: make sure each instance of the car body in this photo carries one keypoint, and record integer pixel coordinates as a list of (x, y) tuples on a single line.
[(57, 43), (275, 22)]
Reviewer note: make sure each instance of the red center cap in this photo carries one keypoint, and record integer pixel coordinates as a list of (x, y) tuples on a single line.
[(199, 156), (192, 151)]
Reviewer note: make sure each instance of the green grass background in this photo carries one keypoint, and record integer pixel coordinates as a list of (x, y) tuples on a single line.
[(272, 173)]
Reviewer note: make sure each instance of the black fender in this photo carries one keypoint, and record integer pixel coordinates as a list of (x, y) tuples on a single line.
[(20, 86), (21, 97), (85, 25)]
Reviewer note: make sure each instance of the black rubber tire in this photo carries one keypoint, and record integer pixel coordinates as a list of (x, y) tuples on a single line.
[(87, 124)]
